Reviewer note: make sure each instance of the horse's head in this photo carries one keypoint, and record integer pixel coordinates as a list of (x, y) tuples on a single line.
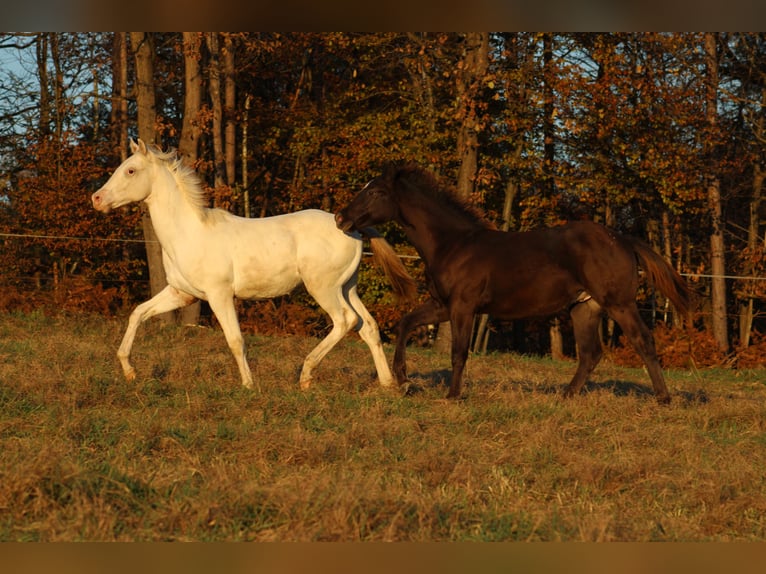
[(373, 205), (130, 182)]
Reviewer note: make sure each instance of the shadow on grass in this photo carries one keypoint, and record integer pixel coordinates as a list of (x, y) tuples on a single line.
[(441, 378), (420, 382), (627, 388)]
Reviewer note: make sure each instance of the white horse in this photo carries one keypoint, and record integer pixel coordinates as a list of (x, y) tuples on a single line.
[(214, 255)]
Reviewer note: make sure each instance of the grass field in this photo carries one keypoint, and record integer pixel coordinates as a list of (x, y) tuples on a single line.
[(185, 453)]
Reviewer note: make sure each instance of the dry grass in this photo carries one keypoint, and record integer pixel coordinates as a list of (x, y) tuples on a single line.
[(186, 454)]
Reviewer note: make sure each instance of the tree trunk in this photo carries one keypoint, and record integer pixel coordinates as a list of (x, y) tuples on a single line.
[(219, 165), (58, 93), (753, 238), (245, 182), (549, 159), (188, 145), (475, 64), (229, 110), (746, 310), (44, 109), (143, 51), (119, 114), (717, 262)]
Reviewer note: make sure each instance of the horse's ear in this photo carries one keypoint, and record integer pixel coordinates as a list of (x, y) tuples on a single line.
[(140, 146)]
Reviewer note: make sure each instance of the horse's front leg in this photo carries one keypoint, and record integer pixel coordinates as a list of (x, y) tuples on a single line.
[(168, 299), (222, 304), (430, 312), (462, 323)]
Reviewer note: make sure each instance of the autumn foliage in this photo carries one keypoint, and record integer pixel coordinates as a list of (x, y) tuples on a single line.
[(534, 128)]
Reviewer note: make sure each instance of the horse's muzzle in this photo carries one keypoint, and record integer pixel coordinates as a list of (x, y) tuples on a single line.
[(343, 223), (98, 202)]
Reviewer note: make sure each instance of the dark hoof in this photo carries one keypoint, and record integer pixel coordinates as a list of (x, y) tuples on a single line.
[(408, 388)]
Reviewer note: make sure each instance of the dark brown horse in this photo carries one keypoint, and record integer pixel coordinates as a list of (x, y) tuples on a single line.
[(472, 268)]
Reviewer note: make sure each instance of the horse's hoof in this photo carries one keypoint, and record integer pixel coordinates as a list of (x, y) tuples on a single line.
[(387, 384), (568, 393), (250, 386)]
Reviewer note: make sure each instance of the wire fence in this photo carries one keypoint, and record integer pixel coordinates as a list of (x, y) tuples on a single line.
[(33, 236), (403, 256)]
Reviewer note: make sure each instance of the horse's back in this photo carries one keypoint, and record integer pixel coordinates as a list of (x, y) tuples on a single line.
[(269, 256), (319, 249), (542, 270)]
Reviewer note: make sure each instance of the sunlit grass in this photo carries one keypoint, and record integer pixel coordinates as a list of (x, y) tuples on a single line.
[(186, 453)]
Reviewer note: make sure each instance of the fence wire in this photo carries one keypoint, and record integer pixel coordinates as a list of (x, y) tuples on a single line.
[(403, 256)]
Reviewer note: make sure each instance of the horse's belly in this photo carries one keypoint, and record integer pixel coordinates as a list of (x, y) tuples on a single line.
[(265, 286), (533, 299)]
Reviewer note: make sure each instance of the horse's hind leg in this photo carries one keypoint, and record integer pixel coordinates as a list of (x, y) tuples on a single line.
[(585, 320), (343, 317), (371, 335), (429, 313), (640, 337)]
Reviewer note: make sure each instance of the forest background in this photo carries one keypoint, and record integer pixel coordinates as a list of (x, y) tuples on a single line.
[(659, 136)]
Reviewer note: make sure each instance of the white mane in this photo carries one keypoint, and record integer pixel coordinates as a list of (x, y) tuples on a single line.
[(187, 179)]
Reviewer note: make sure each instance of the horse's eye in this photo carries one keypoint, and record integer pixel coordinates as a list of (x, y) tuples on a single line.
[(131, 170)]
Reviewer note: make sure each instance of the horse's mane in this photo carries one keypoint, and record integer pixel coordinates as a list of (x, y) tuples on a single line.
[(187, 178), (444, 194)]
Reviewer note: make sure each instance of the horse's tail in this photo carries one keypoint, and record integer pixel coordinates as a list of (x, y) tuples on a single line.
[(404, 286), (666, 279)]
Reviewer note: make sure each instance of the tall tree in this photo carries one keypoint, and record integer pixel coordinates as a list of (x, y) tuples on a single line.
[(214, 85), (229, 110), (41, 51), (119, 111), (469, 81), (143, 52), (191, 128), (188, 143), (713, 184), (549, 162), (745, 65)]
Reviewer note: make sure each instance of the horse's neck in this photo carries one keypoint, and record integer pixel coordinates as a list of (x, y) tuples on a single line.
[(173, 216), (430, 228)]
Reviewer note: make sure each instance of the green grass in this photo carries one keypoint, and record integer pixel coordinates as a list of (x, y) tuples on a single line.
[(186, 453)]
